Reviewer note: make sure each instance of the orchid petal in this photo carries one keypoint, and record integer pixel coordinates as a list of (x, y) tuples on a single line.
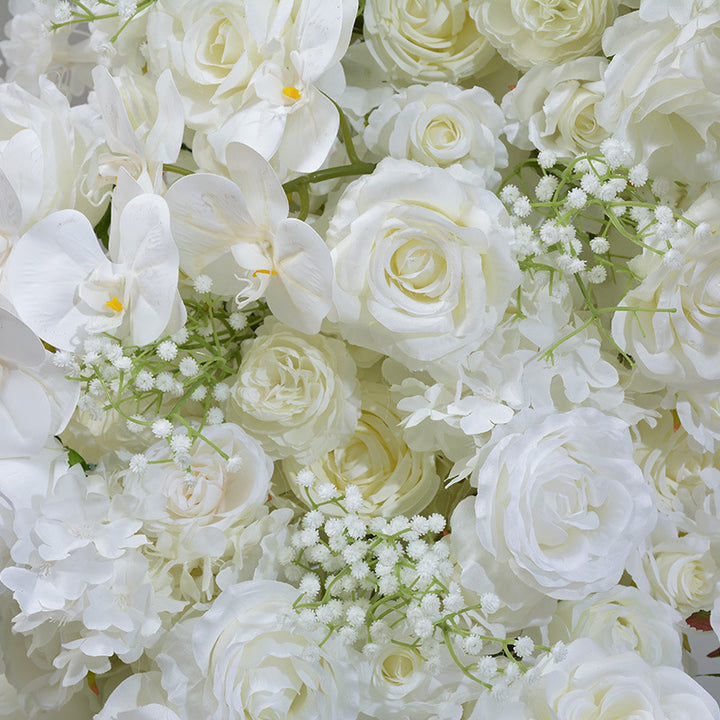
[(301, 294)]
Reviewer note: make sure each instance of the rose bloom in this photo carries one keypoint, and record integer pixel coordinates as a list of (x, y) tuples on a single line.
[(595, 685), (425, 41), (392, 478), (561, 501), (622, 618), (249, 657), (663, 87), (296, 394), (681, 348), (528, 32), (553, 107), (440, 124), (423, 269)]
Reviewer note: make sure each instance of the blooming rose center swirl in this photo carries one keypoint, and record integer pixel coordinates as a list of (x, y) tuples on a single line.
[(221, 45)]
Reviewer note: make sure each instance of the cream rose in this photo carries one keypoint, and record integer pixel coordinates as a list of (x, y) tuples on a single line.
[(423, 269), (440, 124), (561, 501), (681, 570), (619, 619), (392, 478), (680, 348), (528, 32), (595, 685), (662, 90), (553, 107), (248, 657), (426, 40), (296, 394)]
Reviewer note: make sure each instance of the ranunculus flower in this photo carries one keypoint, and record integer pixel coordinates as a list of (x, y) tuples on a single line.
[(249, 657), (425, 41), (528, 32), (553, 107), (393, 479), (441, 125), (423, 269), (296, 394), (561, 501)]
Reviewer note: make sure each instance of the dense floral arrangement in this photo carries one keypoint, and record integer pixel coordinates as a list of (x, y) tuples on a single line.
[(359, 360)]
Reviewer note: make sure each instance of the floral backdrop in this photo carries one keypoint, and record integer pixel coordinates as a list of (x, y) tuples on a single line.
[(359, 359)]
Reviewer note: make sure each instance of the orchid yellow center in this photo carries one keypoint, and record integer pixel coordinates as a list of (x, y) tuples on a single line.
[(262, 271), (114, 304), (291, 92)]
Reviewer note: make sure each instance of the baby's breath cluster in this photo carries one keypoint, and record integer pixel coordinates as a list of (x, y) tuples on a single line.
[(73, 12), (176, 383), (377, 581), (578, 219)]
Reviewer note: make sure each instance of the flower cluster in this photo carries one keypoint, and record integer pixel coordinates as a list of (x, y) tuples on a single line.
[(358, 359)]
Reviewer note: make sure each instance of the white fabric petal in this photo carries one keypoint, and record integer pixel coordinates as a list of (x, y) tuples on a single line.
[(43, 273), (148, 250), (209, 215), (23, 165), (24, 414), (62, 394), (309, 133), (119, 133), (164, 140), (300, 294), (265, 197), (18, 343)]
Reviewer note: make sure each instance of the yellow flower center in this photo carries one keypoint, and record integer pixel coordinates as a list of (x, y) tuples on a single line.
[(291, 92), (114, 304)]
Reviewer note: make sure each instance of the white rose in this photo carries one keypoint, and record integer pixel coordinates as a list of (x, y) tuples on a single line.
[(622, 618), (248, 657), (440, 124), (296, 394), (425, 41), (562, 502), (423, 269), (678, 568), (404, 686), (680, 473), (207, 492), (699, 413), (595, 685), (680, 348), (392, 478), (528, 32), (662, 88), (553, 107)]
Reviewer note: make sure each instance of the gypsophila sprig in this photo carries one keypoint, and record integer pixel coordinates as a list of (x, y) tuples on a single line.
[(74, 12), (379, 581), (162, 385), (583, 212)]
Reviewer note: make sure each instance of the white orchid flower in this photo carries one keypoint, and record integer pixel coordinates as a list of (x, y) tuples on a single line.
[(64, 286), (238, 233), (151, 138)]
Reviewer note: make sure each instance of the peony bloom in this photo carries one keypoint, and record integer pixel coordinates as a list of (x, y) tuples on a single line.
[(528, 32), (296, 394)]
